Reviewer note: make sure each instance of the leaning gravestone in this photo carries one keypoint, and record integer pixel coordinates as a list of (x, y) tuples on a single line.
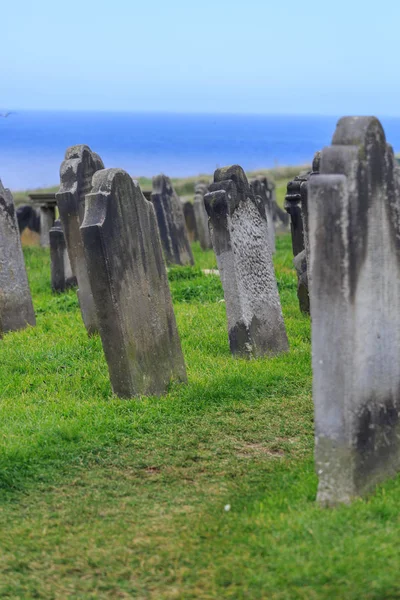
[(171, 222), (200, 190), (62, 277), (239, 233), (190, 221), (259, 188), (130, 287), (16, 308), (76, 174), (354, 235)]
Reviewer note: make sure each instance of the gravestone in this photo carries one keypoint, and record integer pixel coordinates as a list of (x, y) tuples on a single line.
[(259, 187), (46, 203), (76, 174), (16, 308), (47, 218), (354, 236), (200, 190), (296, 190), (130, 287), (190, 221), (296, 205), (171, 222), (62, 277), (239, 233)]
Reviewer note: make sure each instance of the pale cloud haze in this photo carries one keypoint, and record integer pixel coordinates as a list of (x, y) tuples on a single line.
[(258, 56)]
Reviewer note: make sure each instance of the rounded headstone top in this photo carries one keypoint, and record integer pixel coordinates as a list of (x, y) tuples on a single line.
[(356, 131), (104, 179)]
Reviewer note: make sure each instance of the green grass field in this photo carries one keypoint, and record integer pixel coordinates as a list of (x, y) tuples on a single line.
[(106, 498)]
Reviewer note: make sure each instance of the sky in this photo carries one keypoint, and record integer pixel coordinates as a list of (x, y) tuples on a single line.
[(253, 56)]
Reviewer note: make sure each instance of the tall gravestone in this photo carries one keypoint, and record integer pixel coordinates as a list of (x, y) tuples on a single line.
[(190, 221), (76, 174), (354, 236), (171, 222), (130, 287), (259, 188), (239, 233), (16, 308), (200, 190), (62, 277)]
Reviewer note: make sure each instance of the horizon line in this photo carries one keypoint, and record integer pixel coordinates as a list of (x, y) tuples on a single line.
[(15, 111)]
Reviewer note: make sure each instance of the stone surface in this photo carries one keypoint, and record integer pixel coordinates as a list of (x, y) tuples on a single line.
[(300, 264), (239, 233), (259, 187), (171, 222), (16, 308), (130, 287), (200, 190), (47, 218), (76, 174), (190, 221), (62, 277), (354, 209)]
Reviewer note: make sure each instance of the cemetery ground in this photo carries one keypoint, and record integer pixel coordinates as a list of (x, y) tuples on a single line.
[(207, 492)]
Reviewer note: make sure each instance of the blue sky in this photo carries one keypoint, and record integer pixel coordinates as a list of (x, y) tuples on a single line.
[(258, 56)]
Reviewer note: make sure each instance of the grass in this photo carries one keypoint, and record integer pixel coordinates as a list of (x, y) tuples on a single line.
[(102, 498)]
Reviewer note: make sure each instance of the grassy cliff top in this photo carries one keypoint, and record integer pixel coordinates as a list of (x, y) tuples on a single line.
[(184, 186)]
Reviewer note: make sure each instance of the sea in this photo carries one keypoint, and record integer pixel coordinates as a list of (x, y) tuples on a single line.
[(33, 143)]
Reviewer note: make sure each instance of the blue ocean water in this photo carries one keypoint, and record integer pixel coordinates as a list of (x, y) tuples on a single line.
[(32, 144)]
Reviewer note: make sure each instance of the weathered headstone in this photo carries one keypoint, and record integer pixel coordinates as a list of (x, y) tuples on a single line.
[(354, 235), (130, 287), (190, 221), (62, 277), (200, 190), (239, 233), (296, 205), (171, 222), (16, 308), (259, 187), (76, 174)]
